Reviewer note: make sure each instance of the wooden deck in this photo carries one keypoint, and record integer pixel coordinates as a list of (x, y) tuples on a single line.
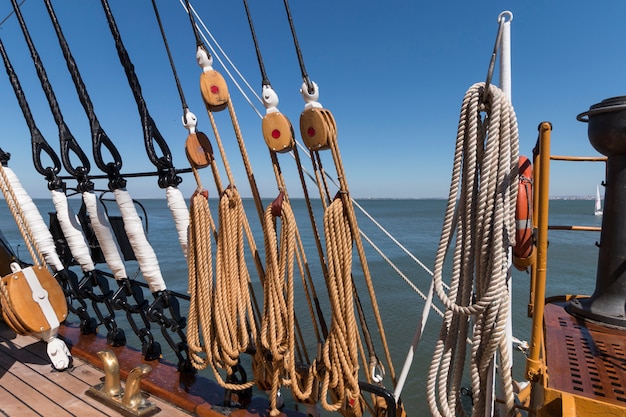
[(583, 358), (30, 387)]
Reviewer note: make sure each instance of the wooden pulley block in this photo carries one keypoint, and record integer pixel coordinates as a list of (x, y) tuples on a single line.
[(36, 298), (317, 128), (277, 132), (214, 90), (198, 150)]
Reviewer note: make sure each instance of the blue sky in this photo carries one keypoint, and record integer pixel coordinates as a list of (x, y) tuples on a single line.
[(393, 74)]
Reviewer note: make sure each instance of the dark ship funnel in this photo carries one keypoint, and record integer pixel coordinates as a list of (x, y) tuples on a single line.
[(607, 134)]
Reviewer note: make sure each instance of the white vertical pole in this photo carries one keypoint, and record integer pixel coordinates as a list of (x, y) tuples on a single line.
[(505, 19), (505, 53)]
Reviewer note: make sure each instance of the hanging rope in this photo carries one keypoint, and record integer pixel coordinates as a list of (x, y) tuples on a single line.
[(340, 350), (278, 337), (227, 323), (483, 193), (319, 131)]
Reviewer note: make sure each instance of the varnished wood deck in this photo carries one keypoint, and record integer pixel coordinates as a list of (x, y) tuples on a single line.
[(584, 358), (30, 387)]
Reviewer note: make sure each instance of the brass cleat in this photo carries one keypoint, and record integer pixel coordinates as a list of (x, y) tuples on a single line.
[(128, 400)]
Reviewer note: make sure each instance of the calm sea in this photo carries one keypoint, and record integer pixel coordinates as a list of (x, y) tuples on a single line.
[(416, 224)]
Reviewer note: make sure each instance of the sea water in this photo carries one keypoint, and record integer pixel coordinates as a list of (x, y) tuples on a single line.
[(416, 225)]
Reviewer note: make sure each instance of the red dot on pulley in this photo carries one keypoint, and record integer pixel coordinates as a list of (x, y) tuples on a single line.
[(275, 133), (311, 132), (215, 89)]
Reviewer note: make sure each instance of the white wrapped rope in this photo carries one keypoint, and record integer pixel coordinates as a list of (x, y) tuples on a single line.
[(146, 257), (180, 213), (38, 227), (105, 236), (72, 231)]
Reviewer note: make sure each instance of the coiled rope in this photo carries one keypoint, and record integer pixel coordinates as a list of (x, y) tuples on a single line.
[(481, 215), (340, 352), (277, 335)]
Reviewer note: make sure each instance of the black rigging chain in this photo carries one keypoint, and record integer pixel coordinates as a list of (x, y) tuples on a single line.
[(164, 164), (265, 80), (68, 142), (305, 77), (98, 135)]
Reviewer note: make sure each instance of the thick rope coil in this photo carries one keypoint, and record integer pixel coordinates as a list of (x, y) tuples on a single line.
[(221, 310), (200, 284), (481, 214), (234, 324), (278, 337), (340, 352)]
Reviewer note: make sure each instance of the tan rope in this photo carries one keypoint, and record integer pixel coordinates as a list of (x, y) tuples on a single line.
[(356, 236), (481, 214), (340, 352), (200, 283), (232, 313), (277, 336), (263, 372)]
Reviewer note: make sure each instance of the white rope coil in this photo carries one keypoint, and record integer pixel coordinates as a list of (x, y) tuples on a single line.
[(480, 216), (104, 234), (72, 231), (146, 257), (39, 230), (180, 213)]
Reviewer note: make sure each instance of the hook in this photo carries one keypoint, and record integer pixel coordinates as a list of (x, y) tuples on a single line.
[(502, 19)]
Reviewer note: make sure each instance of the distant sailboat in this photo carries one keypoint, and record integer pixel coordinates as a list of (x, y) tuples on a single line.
[(598, 208)]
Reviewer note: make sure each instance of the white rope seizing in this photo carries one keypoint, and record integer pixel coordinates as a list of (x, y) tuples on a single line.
[(38, 227), (483, 191), (72, 231), (148, 262), (104, 234), (180, 213)]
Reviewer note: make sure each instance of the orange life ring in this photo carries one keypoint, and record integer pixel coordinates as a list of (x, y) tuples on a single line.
[(523, 250)]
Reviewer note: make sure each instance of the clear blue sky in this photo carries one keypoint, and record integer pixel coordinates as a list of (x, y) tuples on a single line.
[(393, 74)]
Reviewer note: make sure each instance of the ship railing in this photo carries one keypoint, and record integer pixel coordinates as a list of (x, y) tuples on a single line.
[(602, 159), (535, 368)]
